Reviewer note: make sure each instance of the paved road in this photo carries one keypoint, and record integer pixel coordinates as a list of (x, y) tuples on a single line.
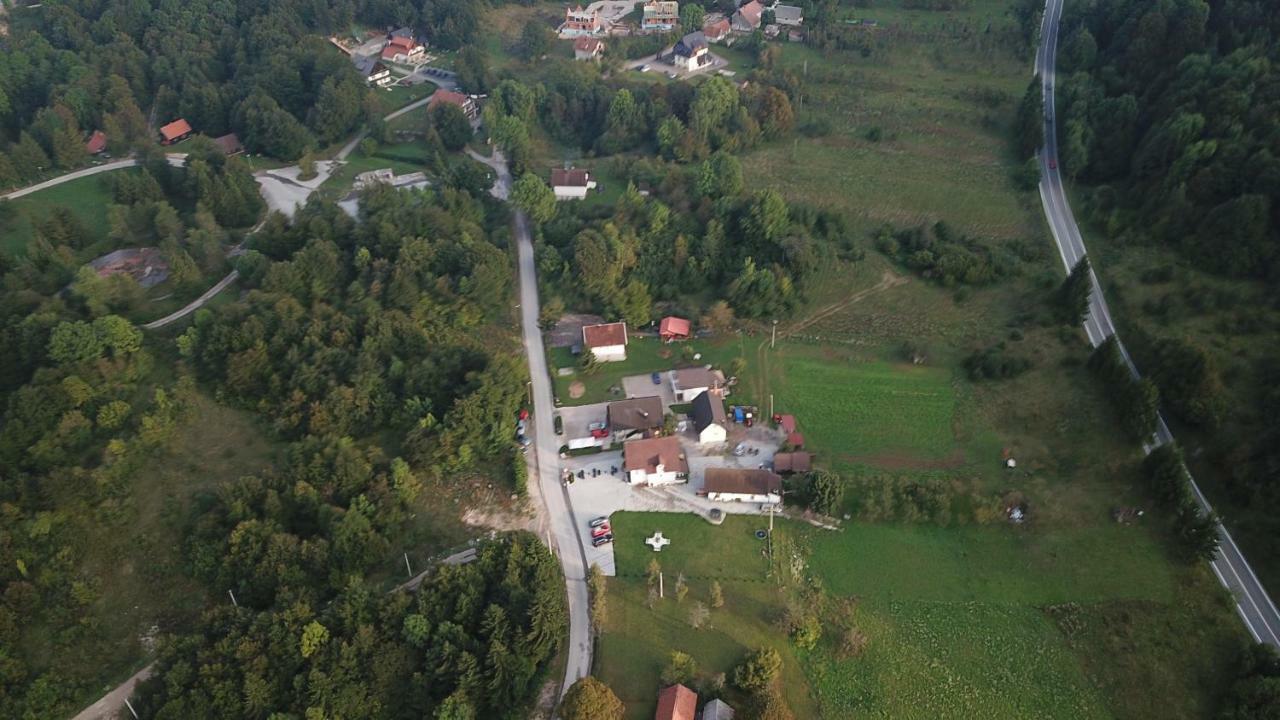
[(176, 160), (194, 304), (1252, 602)]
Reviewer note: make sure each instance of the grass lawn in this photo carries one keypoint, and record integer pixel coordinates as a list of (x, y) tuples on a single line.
[(86, 197), (644, 355), (400, 157)]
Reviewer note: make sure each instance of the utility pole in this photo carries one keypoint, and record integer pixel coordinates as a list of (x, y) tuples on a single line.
[(233, 598), (774, 337), (131, 710), (407, 567), (770, 406), (660, 588)]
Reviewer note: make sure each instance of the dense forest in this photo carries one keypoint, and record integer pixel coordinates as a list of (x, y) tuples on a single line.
[(1171, 120)]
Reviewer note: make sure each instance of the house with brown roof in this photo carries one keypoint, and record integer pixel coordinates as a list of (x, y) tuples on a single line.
[(709, 420), (571, 183), (747, 18), (716, 30), (655, 461), (229, 144), (588, 48), (607, 341), (676, 703), (743, 485), (673, 328), (688, 383), (792, 462), (404, 49), (175, 131), (450, 97), (634, 417), (96, 143)]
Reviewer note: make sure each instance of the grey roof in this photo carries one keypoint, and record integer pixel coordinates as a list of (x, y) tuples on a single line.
[(636, 414), (787, 14), (368, 65), (717, 710), (708, 408), (697, 377), (691, 43)]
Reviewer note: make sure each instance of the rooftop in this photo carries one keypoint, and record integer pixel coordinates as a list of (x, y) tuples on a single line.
[(697, 377), (594, 336), (672, 325), (229, 144), (571, 177), (799, 461), (676, 703), (635, 413), (708, 408), (175, 129), (649, 453), (742, 481), (97, 142)]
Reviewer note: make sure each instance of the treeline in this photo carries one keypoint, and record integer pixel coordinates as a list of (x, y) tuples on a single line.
[(939, 253), (472, 643), (1171, 111), (754, 252)]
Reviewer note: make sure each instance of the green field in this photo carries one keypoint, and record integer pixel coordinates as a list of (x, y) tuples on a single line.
[(855, 408), (86, 197)]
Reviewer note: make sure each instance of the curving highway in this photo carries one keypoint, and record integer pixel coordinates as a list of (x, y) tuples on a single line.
[(1254, 606)]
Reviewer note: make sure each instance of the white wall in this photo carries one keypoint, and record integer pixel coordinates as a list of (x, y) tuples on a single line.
[(713, 433), (609, 353), (564, 192), (668, 477), (742, 497)]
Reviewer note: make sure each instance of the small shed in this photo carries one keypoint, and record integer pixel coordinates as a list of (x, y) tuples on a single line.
[(673, 328)]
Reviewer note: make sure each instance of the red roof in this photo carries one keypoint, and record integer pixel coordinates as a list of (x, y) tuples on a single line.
[(390, 51), (795, 440), (672, 326), (407, 43), (572, 177), (588, 44), (798, 461), (676, 703), (448, 96), (175, 129), (717, 29), (97, 142), (594, 336), (787, 423)]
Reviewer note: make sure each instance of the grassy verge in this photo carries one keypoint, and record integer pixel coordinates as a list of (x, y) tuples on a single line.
[(87, 198)]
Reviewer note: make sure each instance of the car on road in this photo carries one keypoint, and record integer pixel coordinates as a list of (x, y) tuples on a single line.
[(602, 520), (657, 378), (602, 530), (643, 68), (602, 540), (740, 450), (559, 424), (1053, 164)]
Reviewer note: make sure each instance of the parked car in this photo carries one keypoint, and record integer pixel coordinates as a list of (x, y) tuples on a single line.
[(598, 434), (1053, 164), (521, 427), (602, 540), (657, 378), (524, 413), (559, 424), (598, 521), (602, 530)]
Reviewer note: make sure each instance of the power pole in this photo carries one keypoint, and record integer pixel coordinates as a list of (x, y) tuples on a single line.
[(660, 588), (770, 406), (233, 598), (407, 567), (774, 337), (131, 710)]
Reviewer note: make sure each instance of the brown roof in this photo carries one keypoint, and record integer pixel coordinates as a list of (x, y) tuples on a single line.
[(743, 481), (229, 144), (97, 142), (635, 414), (402, 41), (649, 453), (594, 336), (708, 408), (672, 325), (572, 177), (676, 703), (717, 29), (697, 377), (175, 129), (448, 96), (588, 44), (792, 462)]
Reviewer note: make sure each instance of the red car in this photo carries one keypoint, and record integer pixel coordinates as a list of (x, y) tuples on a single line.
[(524, 413), (600, 531), (599, 433)]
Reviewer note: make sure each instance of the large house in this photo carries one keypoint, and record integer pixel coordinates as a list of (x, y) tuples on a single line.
[(403, 49), (716, 30), (465, 103), (673, 328), (709, 420), (587, 48), (655, 461), (743, 485), (579, 22), (607, 341), (372, 70), (691, 52), (571, 183), (634, 417), (175, 131), (788, 15), (747, 18), (661, 15), (676, 703), (688, 383)]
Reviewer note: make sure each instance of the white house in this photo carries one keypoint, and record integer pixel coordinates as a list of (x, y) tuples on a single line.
[(691, 52), (655, 461), (743, 485), (709, 421), (608, 341), (788, 15), (689, 383), (571, 183), (404, 50)]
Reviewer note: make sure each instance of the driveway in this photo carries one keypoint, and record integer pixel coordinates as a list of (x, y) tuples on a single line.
[(577, 420), (658, 65), (642, 386)]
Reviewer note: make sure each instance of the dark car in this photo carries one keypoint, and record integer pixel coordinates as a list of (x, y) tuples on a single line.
[(1053, 164), (657, 378), (602, 540), (598, 521)]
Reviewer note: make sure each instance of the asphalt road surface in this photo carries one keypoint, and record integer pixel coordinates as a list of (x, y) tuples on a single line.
[(1252, 602)]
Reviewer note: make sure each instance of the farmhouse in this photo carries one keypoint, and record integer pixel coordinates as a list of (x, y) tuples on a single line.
[(716, 30), (788, 15), (403, 49), (717, 710), (571, 183), (676, 703), (450, 97), (373, 71), (709, 421), (96, 143), (579, 22), (688, 383), (229, 144), (634, 417), (175, 131), (655, 461), (747, 18), (691, 52), (661, 15), (587, 48), (608, 341), (792, 462), (743, 485), (673, 328)]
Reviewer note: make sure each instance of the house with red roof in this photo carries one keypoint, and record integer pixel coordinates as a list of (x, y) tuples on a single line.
[(450, 97), (607, 341), (176, 131), (673, 328), (404, 50), (571, 183), (96, 143), (747, 18), (587, 48), (676, 703), (716, 30)]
